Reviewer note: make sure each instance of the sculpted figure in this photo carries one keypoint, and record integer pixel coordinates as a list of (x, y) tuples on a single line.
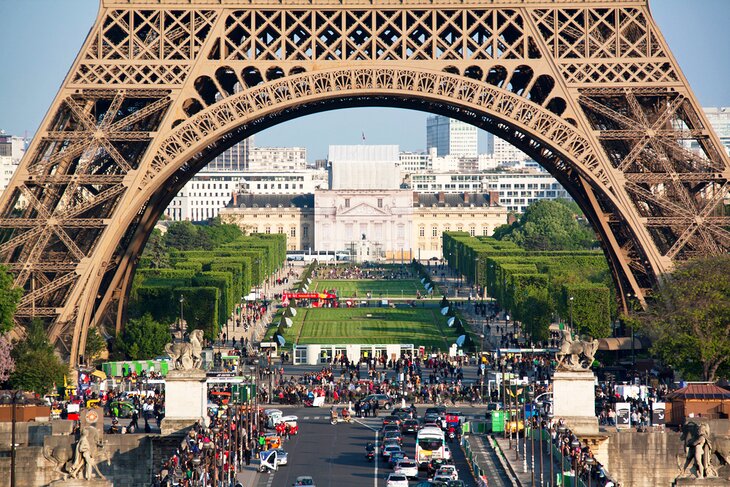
[(701, 448), (187, 355), (569, 355)]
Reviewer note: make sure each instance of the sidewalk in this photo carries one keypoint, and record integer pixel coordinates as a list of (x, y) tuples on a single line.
[(248, 476)]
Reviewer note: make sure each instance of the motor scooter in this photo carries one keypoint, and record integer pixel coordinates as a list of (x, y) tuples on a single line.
[(370, 452)]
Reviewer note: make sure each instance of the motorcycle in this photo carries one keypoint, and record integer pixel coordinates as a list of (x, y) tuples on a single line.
[(370, 452), (452, 434)]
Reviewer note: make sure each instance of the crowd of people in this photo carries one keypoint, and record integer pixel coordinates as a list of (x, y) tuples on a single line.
[(362, 272)]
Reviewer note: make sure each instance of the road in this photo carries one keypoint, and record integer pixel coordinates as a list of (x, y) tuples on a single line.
[(335, 455)]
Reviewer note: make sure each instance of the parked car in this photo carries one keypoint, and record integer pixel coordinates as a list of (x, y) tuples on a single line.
[(384, 401)]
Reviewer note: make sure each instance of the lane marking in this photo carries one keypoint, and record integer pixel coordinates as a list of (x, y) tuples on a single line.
[(375, 477)]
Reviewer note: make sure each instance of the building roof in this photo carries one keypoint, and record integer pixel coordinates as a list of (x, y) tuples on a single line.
[(700, 391), (247, 200), (452, 199)]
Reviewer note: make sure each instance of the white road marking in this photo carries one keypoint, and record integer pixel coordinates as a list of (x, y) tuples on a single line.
[(306, 418), (375, 478)]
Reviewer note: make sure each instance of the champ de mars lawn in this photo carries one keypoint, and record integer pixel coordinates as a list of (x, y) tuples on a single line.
[(348, 288), (421, 326)]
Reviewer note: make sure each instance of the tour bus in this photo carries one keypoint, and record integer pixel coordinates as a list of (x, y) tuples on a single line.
[(430, 443)]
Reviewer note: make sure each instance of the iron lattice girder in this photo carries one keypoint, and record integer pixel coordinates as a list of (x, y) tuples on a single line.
[(160, 84)]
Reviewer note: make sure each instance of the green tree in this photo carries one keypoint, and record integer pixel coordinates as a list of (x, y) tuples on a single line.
[(220, 233), (186, 236), (9, 299), (95, 345), (37, 368), (143, 338), (536, 311), (155, 252), (689, 319), (549, 225)]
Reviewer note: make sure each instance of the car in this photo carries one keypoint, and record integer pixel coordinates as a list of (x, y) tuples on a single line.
[(439, 410), (390, 427), (441, 479), (384, 400), (389, 449), (390, 442), (449, 470), (447, 453), (431, 418), (436, 464), (304, 480), (393, 435), (409, 426), (409, 413), (395, 457), (391, 420), (397, 480), (407, 467), (281, 457)]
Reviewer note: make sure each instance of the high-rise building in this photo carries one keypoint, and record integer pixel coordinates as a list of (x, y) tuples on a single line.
[(506, 152), (233, 159), (364, 167), (451, 137)]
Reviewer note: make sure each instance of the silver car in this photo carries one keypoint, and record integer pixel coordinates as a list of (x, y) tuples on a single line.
[(281, 457), (304, 480)]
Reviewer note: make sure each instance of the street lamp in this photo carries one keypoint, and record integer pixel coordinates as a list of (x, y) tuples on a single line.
[(570, 299), (13, 398), (182, 300), (561, 432), (589, 463), (574, 445)]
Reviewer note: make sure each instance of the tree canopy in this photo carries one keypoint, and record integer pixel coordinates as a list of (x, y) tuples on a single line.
[(689, 319), (143, 338), (9, 299), (549, 225), (37, 368)]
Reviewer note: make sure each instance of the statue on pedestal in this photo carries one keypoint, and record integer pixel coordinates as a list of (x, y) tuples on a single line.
[(569, 355), (80, 461), (701, 448), (187, 355)]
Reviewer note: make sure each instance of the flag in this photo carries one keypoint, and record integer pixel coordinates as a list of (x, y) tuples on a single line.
[(363, 136)]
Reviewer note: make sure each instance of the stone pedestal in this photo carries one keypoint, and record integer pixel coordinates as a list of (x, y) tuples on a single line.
[(574, 400), (81, 483), (693, 482), (186, 400)]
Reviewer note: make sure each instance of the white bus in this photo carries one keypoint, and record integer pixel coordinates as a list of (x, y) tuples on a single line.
[(430, 443)]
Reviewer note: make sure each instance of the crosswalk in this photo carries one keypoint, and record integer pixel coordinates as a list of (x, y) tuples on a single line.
[(379, 419)]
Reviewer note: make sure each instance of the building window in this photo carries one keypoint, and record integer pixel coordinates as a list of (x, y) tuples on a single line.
[(380, 202), (434, 231), (293, 232), (268, 229), (485, 231), (281, 230), (305, 231), (421, 231), (472, 231), (347, 202)]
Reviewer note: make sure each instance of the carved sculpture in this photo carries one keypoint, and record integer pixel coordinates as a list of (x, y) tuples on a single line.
[(80, 461), (701, 448), (575, 355), (187, 355)]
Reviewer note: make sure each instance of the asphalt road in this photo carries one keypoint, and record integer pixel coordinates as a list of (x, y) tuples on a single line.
[(335, 455)]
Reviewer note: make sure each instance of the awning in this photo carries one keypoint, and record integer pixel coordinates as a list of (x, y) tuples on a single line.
[(100, 374), (620, 343)]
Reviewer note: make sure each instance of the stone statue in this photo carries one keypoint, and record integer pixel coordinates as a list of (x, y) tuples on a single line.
[(572, 350), (187, 355), (80, 461), (701, 448)]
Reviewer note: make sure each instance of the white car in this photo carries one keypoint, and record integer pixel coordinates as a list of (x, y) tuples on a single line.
[(282, 458), (442, 478), (447, 453), (407, 467), (449, 471), (397, 480)]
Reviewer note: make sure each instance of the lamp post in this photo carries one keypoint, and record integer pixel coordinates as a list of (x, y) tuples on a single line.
[(552, 473), (574, 445), (589, 463), (504, 397), (182, 300), (561, 432), (13, 398), (570, 299)]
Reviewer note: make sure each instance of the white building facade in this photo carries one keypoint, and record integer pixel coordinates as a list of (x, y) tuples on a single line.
[(266, 159), (516, 190)]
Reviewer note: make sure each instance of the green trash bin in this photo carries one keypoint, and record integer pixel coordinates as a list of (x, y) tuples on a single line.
[(498, 421)]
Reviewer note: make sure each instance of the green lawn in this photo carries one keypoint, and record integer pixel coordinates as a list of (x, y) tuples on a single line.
[(346, 288), (419, 326)]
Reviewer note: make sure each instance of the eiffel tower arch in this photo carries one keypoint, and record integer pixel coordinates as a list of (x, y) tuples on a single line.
[(589, 89)]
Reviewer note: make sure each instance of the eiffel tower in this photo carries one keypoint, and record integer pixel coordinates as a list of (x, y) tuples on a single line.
[(589, 89)]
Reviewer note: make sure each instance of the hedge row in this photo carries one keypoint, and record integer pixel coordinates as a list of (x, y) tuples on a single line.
[(532, 285), (211, 283)]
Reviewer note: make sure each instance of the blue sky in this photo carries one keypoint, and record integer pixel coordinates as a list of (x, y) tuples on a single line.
[(39, 39)]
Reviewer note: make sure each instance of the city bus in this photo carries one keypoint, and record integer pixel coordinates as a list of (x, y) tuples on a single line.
[(430, 443)]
